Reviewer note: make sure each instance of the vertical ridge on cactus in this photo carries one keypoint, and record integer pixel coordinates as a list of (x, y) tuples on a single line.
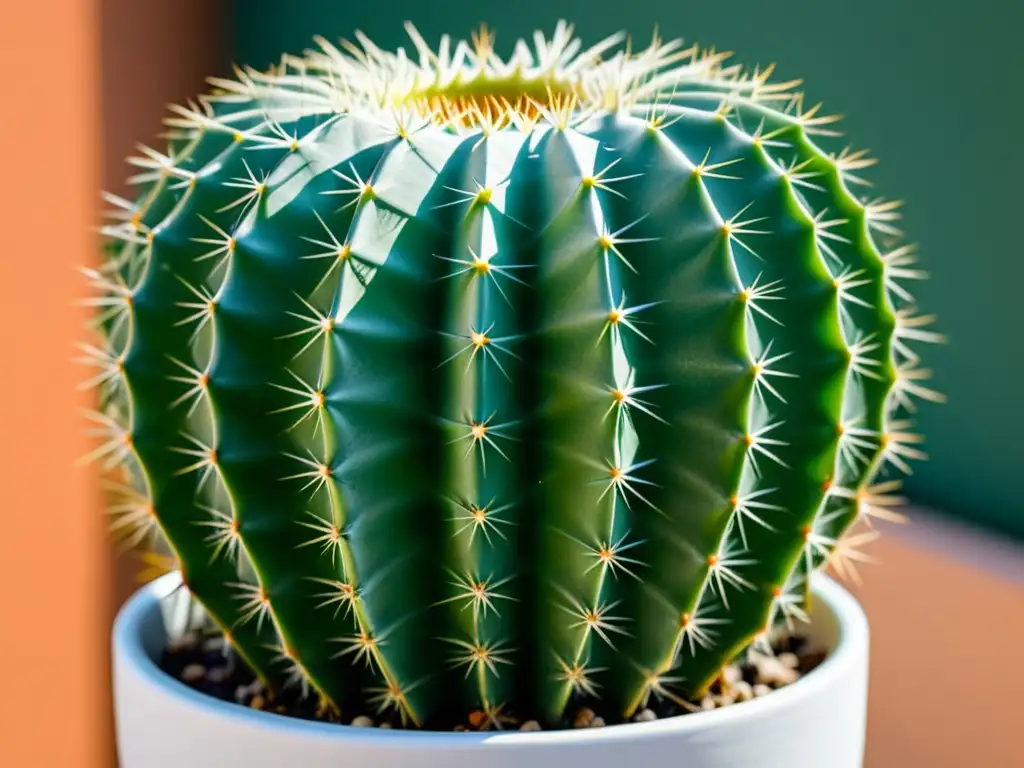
[(454, 381)]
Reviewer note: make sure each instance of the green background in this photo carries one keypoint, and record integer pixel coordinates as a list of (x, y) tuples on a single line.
[(931, 88)]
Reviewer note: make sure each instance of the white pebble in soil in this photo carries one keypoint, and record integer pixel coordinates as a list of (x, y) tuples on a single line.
[(645, 716), (742, 690), (363, 722), (597, 722), (182, 643), (213, 645), (772, 671), (789, 660), (243, 692), (761, 690), (583, 718), (724, 700), (530, 725), (218, 675), (193, 673), (733, 674)]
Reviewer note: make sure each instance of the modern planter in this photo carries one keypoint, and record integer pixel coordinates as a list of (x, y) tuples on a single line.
[(817, 722)]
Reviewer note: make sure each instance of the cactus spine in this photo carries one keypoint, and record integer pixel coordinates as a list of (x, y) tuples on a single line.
[(456, 381)]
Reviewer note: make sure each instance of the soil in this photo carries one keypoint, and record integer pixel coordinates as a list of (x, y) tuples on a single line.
[(202, 664)]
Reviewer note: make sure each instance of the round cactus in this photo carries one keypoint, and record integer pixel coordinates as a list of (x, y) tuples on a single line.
[(454, 382)]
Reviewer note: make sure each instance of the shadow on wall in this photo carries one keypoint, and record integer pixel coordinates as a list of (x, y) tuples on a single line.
[(926, 92)]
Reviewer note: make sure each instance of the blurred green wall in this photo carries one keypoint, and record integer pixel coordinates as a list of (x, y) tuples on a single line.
[(932, 88)]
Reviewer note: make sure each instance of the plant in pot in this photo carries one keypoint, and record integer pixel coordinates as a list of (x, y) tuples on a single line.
[(490, 400)]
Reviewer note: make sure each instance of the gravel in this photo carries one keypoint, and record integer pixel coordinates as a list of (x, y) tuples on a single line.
[(205, 664)]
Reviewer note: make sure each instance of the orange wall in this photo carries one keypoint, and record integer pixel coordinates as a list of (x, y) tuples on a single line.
[(88, 78), (52, 576)]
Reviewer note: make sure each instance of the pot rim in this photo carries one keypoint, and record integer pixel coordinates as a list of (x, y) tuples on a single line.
[(851, 628)]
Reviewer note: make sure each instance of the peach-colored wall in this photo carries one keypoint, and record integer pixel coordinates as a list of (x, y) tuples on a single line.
[(947, 674), (53, 699), (74, 103)]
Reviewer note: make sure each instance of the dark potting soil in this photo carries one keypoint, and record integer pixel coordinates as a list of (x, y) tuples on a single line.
[(203, 664)]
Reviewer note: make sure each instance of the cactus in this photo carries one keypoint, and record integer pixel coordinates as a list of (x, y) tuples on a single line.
[(458, 383)]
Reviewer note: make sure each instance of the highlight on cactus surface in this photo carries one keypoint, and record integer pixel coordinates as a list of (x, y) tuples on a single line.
[(450, 380)]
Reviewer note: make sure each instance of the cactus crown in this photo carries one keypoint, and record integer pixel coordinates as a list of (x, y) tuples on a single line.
[(473, 85), (476, 383)]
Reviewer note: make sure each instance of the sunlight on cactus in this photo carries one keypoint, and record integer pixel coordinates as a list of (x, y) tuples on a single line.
[(454, 381)]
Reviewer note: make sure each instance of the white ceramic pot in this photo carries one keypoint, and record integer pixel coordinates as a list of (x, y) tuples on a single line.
[(818, 722)]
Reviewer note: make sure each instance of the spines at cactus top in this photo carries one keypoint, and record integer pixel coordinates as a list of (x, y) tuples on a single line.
[(471, 384)]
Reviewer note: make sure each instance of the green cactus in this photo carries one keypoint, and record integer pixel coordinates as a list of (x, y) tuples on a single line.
[(450, 380)]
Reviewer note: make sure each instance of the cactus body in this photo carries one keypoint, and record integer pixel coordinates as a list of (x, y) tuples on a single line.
[(540, 383)]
